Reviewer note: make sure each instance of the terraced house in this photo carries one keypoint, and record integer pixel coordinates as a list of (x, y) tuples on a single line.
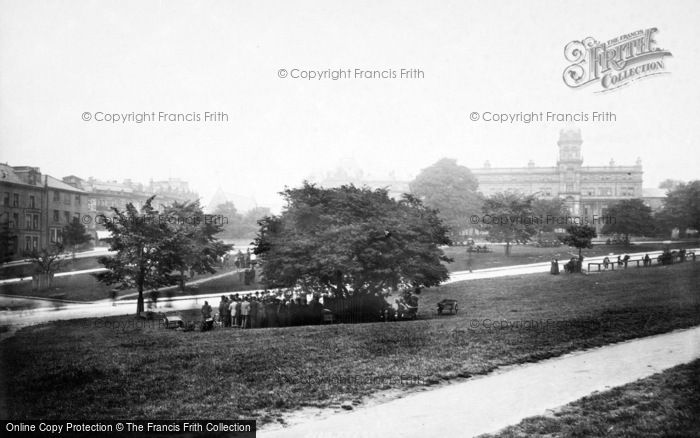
[(35, 208)]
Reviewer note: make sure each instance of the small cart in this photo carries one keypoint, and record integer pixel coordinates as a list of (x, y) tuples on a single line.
[(447, 305)]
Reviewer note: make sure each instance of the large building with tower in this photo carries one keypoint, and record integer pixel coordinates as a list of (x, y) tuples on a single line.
[(587, 190)]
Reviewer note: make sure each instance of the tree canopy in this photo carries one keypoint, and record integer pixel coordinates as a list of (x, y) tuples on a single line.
[(452, 190), (509, 217), (681, 207), (194, 248), (351, 240), (152, 247), (579, 236), (549, 211), (75, 235), (628, 217)]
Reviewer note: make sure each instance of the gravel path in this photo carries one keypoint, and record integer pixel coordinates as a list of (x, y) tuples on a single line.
[(492, 402)]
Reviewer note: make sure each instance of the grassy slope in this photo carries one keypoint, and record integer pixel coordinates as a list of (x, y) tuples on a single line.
[(665, 404), (26, 270), (85, 369)]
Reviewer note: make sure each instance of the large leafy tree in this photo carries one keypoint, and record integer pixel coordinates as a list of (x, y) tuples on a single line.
[(681, 207), (144, 245), (628, 217), (508, 217), (349, 240), (74, 235), (194, 248), (452, 190)]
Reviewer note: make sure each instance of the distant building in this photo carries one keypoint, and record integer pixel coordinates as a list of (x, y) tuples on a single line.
[(587, 190), (242, 203), (102, 196), (35, 208)]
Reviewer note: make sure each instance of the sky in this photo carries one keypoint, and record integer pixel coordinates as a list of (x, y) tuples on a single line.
[(62, 59)]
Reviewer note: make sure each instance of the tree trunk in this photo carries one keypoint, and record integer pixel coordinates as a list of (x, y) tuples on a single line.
[(139, 302), (507, 249), (182, 280)]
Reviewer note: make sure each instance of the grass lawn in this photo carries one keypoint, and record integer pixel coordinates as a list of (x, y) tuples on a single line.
[(524, 254), (665, 404), (120, 368)]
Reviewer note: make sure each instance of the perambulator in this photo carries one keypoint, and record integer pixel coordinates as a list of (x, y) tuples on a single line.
[(207, 324)]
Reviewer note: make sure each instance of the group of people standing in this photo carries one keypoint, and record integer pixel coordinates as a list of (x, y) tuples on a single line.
[(256, 311)]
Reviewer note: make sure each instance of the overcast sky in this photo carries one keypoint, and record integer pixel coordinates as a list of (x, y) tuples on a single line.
[(59, 59)]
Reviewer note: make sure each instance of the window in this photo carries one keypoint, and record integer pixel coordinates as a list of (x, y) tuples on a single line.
[(76, 216), (15, 200), (27, 243), (605, 191), (66, 215), (589, 191), (32, 203), (55, 235), (569, 188), (35, 221), (56, 216), (6, 199), (56, 196), (28, 221), (627, 191), (66, 198), (35, 243), (77, 199), (15, 220)]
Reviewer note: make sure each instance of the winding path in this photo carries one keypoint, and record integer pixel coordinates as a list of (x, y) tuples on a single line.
[(489, 403)]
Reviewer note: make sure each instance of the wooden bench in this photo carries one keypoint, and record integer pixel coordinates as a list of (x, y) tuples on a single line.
[(173, 321), (447, 305), (612, 264)]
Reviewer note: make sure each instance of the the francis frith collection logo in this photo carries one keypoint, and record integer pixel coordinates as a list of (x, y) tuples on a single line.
[(616, 62)]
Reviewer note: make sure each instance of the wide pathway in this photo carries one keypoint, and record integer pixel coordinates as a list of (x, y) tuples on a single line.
[(492, 402)]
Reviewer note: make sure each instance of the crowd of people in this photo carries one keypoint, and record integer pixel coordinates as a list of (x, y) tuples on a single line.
[(264, 310), (268, 309)]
